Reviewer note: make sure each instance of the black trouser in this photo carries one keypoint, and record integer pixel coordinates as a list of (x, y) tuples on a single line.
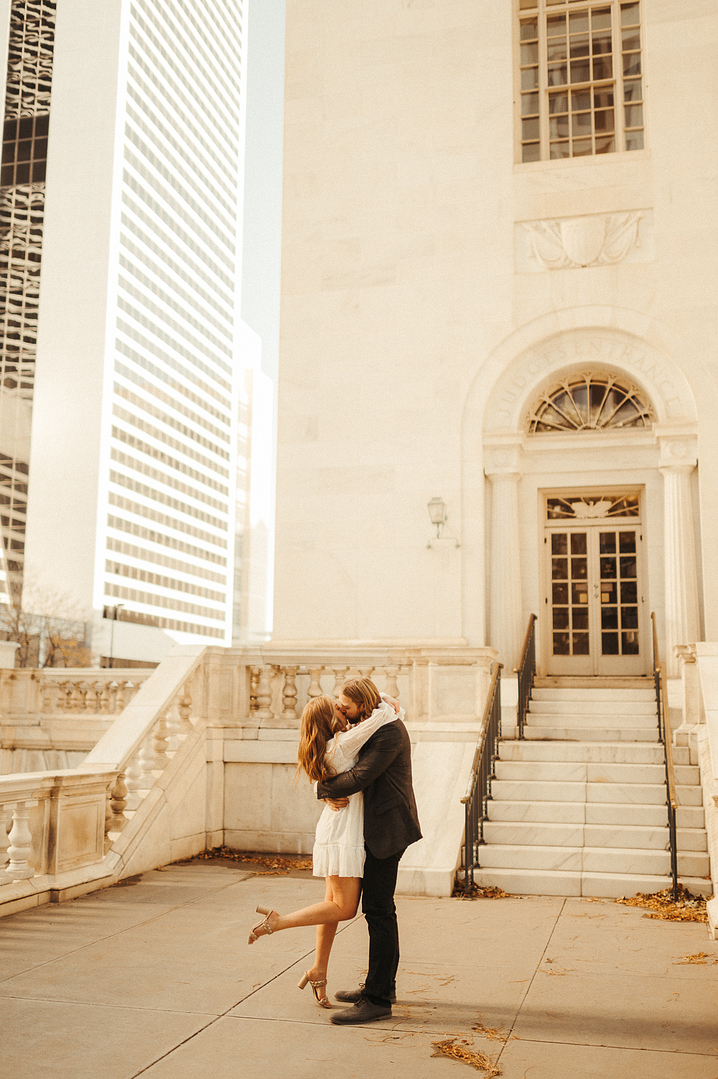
[(378, 888)]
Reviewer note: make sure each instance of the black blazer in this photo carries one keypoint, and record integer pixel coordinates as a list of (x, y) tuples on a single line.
[(383, 773)]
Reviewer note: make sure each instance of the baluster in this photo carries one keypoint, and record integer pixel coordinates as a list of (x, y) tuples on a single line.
[(253, 687), (133, 775), (174, 730), (65, 695), (75, 702), (103, 698), (18, 867), (147, 764), (108, 816), (315, 684), (340, 677), (121, 697), (119, 802), (4, 843), (289, 695), (390, 687), (366, 672), (94, 697), (184, 707), (83, 689), (264, 694), (159, 744), (112, 688), (352, 672)]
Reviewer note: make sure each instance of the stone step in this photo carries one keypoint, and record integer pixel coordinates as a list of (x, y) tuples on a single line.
[(590, 772), (604, 719), (598, 885), (551, 834), (601, 707), (595, 752), (594, 684), (561, 694), (611, 813), (627, 793), (570, 733), (580, 859)]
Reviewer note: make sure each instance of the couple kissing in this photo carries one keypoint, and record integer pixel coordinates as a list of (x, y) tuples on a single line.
[(356, 750)]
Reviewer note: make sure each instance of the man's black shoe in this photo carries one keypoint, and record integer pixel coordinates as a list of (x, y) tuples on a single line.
[(362, 1012), (352, 996)]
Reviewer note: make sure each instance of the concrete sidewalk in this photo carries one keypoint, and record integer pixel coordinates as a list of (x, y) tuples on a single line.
[(155, 978)]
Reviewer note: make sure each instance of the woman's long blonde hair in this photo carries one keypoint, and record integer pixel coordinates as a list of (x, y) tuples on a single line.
[(319, 724)]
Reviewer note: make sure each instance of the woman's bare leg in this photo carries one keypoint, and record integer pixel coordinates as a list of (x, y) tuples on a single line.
[(336, 896), (340, 903), (325, 939)]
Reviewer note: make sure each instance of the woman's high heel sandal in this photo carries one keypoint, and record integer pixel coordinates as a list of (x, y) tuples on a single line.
[(318, 988), (263, 925)]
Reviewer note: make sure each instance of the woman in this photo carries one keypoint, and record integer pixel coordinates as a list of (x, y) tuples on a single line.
[(327, 747)]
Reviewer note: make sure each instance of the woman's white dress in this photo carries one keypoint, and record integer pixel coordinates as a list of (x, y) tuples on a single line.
[(339, 842)]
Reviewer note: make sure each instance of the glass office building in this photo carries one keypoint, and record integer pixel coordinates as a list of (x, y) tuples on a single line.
[(121, 186)]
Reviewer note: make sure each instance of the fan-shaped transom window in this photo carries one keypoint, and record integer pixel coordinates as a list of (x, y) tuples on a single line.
[(590, 402)]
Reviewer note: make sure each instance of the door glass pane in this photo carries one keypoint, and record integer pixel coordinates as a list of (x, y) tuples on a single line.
[(627, 542), (578, 543), (569, 593), (619, 593), (559, 543)]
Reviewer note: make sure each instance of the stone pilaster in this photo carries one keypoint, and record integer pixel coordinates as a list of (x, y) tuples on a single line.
[(506, 628), (682, 619)]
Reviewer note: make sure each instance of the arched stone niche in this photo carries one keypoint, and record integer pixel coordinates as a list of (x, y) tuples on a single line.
[(495, 442)]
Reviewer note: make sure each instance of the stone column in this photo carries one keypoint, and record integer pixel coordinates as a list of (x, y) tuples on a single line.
[(682, 620), (506, 628)]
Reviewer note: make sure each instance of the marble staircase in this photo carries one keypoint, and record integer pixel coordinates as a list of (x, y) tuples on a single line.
[(578, 806)]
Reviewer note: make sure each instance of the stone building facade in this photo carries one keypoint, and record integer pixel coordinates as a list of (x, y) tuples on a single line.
[(499, 289)]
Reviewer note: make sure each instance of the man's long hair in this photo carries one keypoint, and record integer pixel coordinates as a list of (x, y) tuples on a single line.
[(364, 694), (319, 724)]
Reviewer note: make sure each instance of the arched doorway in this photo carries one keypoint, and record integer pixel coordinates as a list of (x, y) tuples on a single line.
[(589, 454)]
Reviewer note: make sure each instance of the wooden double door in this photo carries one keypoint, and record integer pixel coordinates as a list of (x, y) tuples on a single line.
[(595, 614)]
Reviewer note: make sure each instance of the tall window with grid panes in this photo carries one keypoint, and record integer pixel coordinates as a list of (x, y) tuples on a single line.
[(580, 78)]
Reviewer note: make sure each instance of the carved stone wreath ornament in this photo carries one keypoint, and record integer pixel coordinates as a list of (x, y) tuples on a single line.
[(595, 240)]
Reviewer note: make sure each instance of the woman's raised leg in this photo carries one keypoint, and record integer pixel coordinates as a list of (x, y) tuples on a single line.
[(340, 903)]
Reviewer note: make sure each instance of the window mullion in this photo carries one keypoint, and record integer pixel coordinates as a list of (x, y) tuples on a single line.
[(543, 82), (617, 72)]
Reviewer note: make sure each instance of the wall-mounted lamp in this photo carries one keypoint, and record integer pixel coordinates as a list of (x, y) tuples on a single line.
[(438, 515)]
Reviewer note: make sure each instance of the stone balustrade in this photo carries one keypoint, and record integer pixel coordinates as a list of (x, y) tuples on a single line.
[(73, 690), (161, 781), (50, 718), (436, 682), (700, 731), (57, 823), (52, 823)]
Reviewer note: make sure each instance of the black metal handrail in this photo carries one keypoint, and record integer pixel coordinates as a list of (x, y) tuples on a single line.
[(526, 671), (664, 733), (479, 789)]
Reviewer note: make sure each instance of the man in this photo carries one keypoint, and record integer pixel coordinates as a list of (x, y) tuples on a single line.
[(391, 823)]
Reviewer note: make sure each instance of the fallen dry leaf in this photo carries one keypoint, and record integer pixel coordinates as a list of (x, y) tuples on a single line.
[(491, 1033), (699, 959), (475, 892), (280, 863), (687, 908), (458, 1050)]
